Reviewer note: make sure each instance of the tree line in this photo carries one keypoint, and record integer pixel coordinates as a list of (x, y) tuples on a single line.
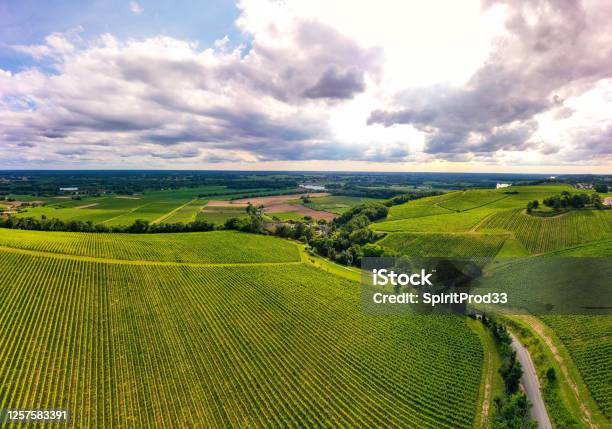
[(512, 408), (138, 227)]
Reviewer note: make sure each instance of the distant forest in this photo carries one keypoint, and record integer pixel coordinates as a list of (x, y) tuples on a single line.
[(374, 185)]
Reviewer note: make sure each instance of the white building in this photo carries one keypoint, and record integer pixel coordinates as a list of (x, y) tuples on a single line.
[(69, 189), (503, 185), (312, 187)]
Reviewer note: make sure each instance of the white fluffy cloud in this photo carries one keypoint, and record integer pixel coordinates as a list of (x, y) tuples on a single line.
[(318, 82), (135, 7)]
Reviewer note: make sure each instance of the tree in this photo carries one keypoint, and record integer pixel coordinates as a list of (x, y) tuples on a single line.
[(551, 375), (139, 226), (601, 187)]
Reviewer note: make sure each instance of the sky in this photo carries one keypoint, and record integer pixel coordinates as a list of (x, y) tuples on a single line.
[(469, 86)]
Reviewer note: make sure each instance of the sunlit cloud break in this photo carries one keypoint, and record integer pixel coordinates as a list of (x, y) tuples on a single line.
[(504, 87)]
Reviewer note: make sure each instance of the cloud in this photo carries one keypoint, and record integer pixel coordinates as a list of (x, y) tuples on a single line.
[(265, 104), (337, 84), (135, 7), (314, 82), (56, 45), (552, 51)]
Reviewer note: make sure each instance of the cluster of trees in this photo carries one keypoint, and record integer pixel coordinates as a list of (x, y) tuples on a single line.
[(138, 227), (404, 198), (576, 201), (511, 410), (349, 239), (345, 240), (567, 200), (531, 205)]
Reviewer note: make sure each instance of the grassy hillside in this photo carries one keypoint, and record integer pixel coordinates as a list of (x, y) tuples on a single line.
[(133, 345), (494, 222), (496, 211), (441, 244), (196, 247), (546, 234)]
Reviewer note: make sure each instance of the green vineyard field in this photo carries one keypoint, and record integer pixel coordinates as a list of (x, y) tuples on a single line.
[(458, 244), (132, 345), (196, 247), (448, 222), (539, 235), (589, 341)]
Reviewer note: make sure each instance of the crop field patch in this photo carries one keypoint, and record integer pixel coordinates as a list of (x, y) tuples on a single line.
[(589, 342), (220, 214), (299, 209), (186, 214), (451, 245), (449, 222), (336, 204), (253, 346), (195, 247), (539, 235)]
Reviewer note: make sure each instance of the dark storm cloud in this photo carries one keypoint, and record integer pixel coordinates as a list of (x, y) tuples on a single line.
[(337, 84), (552, 49)]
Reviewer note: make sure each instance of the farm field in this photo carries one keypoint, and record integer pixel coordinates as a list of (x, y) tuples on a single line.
[(299, 209), (219, 214), (196, 247), (594, 249), (185, 214), (447, 222), (219, 211), (589, 341), (476, 223), (445, 244), (500, 212), (336, 204), (263, 344), (540, 235), (152, 206), (286, 216)]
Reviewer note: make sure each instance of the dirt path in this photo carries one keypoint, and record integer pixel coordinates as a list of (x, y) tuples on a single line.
[(486, 399), (86, 206), (538, 327)]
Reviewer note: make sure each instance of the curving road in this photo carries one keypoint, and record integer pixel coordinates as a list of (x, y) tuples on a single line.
[(531, 385)]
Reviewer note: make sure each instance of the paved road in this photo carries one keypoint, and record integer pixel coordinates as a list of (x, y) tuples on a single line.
[(531, 384)]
